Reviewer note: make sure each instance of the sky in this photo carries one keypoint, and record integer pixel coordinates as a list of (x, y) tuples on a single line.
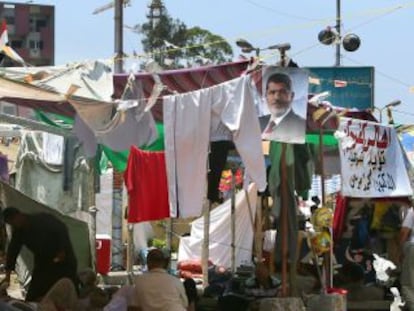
[(384, 27)]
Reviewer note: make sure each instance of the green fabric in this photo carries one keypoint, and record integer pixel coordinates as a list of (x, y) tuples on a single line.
[(49, 118), (328, 139), (118, 159), (275, 189), (158, 145)]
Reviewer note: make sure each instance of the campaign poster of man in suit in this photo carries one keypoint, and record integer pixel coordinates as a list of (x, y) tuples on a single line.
[(285, 91)]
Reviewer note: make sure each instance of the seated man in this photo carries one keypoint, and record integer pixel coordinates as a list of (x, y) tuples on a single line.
[(156, 289), (262, 284)]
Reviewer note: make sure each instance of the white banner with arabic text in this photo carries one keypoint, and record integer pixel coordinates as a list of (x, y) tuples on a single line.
[(372, 163)]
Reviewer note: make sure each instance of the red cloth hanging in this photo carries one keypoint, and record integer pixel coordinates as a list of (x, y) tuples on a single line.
[(146, 182), (339, 216)]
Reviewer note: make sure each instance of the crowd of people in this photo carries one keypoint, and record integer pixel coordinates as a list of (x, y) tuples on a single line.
[(56, 283)]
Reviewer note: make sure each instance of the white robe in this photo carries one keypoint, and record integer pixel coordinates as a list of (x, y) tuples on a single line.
[(190, 120)]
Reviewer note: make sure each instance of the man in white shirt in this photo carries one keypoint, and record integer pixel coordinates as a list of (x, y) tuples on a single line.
[(284, 124), (157, 290), (407, 268)]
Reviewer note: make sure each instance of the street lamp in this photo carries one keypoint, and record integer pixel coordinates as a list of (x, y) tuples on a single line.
[(388, 107), (247, 47)]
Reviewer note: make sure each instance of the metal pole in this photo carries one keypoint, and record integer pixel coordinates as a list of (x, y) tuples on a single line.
[(117, 185), (92, 212), (338, 29), (117, 221), (118, 65), (34, 125)]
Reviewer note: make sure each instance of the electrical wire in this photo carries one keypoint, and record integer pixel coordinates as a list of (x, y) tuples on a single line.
[(267, 8)]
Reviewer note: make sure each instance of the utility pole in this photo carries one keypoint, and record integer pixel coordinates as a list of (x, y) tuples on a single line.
[(119, 53), (338, 29), (117, 182)]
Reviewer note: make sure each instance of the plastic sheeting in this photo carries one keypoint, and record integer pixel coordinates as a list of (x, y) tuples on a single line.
[(220, 232)]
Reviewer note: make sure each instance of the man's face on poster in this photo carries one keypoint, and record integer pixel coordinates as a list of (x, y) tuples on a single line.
[(279, 98)]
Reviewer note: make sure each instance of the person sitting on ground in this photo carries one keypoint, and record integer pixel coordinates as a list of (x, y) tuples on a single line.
[(156, 290), (218, 277), (91, 297), (123, 300), (61, 296), (262, 284)]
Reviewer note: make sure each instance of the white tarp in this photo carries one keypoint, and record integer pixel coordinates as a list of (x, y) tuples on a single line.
[(142, 231), (372, 163), (220, 232)]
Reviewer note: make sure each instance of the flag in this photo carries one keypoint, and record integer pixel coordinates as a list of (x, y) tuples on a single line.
[(4, 44), (340, 83), (4, 38)]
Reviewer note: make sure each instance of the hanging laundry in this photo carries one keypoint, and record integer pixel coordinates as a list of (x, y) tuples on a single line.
[(130, 125), (146, 182), (190, 121), (52, 148)]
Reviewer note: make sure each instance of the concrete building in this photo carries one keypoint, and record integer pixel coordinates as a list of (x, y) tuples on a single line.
[(31, 30), (31, 33)]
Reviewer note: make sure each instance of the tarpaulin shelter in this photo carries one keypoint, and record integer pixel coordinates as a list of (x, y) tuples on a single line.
[(77, 228), (182, 80), (175, 81)]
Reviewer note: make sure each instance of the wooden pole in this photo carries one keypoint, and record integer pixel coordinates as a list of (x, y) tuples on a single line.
[(91, 201), (284, 219), (168, 234), (259, 229), (321, 162), (327, 262), (206, 241), (233, 220), (130, 253)]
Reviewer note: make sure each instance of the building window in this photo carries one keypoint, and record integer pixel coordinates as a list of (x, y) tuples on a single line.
[(38, 22), (41, 23), (9, 20), (36, 45)]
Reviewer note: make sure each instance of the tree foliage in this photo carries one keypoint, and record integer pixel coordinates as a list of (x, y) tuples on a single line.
[(173, 45), (202, 44)]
